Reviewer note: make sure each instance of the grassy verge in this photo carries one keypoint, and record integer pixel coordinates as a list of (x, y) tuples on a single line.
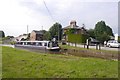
[(0, 62), (0, 42), (24, 64), (79, 48)]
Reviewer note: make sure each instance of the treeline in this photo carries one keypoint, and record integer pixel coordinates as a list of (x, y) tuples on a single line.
[(2, 34), (55, 31), (101, 32)]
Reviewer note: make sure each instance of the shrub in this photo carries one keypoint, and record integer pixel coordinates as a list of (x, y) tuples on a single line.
[(12, 42)]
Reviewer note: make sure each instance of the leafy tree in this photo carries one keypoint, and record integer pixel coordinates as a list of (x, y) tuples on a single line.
[(102, 31), (46, 35), (2, 34), (91, 33), (119, 39), (56, 31)]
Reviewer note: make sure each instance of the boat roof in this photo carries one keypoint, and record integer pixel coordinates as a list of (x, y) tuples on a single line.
[(32, 41)]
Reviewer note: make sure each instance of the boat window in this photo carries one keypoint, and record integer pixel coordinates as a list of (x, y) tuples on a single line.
[(28, 43), (45, 44), (33, 43), (40, 44), (54, 44)]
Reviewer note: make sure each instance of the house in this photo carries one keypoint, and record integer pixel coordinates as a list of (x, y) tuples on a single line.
[(73, 25), (36, 35), (21, 37)]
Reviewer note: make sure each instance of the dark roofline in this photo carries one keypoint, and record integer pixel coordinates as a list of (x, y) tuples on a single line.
[(38, 32)]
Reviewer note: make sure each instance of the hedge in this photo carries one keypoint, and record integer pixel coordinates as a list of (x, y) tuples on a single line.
[(77, 38), (119, 39)]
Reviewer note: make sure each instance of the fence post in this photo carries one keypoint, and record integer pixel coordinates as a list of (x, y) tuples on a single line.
[(75, 44), (96, 46), (99, 47), (87, 43)]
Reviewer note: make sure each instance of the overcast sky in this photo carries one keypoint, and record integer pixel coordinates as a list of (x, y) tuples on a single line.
[(15, 15)]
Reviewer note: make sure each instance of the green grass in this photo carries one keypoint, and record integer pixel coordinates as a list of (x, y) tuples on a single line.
[(0, 62), (0, 42), (90, 49), (24, 64)]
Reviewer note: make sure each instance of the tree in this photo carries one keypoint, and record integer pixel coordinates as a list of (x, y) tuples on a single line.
[(91, 33), (2, 34), (46, 35), (56, 31), (102, 31), (119, 39)]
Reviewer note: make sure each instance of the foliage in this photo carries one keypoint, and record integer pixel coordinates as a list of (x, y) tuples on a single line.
[(55, 31), (9, 37), (2, 34), (12, 42), (24, 64), (77, 38), (71, 31), (91, 33), (119, 39), (46, 35), (102, 31)]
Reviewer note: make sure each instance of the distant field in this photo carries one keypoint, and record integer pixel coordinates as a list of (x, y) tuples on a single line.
[(24, 64)]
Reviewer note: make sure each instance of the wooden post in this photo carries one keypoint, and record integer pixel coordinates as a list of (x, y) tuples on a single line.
[(96, 46), (84, 45), (99, 47)]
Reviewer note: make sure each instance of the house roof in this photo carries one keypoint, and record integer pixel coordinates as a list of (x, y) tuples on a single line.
[(38, 32)]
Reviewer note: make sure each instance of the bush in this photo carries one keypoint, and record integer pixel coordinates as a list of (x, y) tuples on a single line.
[(12, 42), (119, 39)]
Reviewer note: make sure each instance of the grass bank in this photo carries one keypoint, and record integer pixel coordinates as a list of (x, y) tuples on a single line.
[(24, 64), (90, 49)]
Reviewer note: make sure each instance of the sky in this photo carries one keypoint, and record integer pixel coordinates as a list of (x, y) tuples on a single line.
[(15, 15)]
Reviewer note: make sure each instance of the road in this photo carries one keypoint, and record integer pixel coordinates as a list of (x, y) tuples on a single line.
[(94, 47)]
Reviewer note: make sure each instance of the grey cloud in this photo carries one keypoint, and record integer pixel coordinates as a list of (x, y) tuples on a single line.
[(84, 12)]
